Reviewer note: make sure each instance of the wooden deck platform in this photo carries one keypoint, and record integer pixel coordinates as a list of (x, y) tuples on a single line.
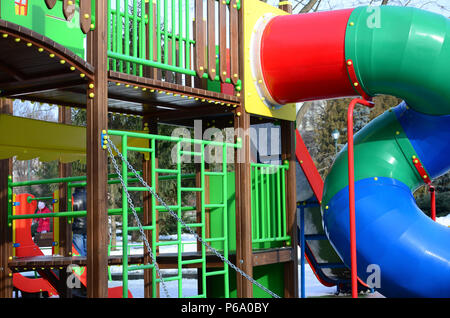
[(165, 261)]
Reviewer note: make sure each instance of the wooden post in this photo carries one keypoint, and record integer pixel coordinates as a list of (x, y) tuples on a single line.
[(244, 255), (147, 208), (97, 121), (6, 286), (288, 154), (65, 229), (243, 205)]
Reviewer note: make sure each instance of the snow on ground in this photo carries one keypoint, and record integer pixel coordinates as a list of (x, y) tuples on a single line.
[(313, 287), (189, 286), (444, 220)]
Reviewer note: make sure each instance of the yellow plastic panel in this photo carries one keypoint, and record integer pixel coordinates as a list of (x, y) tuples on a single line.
[(253, 11), (30, 138)]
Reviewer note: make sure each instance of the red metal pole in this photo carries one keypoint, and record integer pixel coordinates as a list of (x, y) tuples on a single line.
[(351, 191), (433, 203)]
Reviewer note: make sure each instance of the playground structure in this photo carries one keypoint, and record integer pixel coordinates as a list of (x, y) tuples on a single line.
[(179, 72)]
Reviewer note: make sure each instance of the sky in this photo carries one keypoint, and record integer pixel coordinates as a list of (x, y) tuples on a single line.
[(438, 6)]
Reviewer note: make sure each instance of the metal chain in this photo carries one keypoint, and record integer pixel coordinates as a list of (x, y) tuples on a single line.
[(174, 215), (141, 230)]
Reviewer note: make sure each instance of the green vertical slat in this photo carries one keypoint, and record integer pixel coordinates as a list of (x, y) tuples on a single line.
[(180, 33), (268, 202), (158, 30), (150, 30), (126, 30), (179, 203), (114, 39), (154, 232), (257, 176), (283, 202), (279, 198), (187, 42), (263, 205), (142, 36), (174, 38), (119, 33), (124, 219), (108, 32), (166, 32), (134, 34), (225, 220), (203, 236), (10, 199)]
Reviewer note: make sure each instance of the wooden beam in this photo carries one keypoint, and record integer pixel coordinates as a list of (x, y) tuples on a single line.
[(97, 121), (288, 154), (6, 286), (16, 74)]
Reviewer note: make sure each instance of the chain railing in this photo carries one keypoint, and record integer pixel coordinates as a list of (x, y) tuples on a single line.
[(189, 227)]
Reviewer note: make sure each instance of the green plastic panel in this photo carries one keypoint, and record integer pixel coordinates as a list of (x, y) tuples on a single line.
[(270, 276), (402, 52), (381, 150), (50, 23)]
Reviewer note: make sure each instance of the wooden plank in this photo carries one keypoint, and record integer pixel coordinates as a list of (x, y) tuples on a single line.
[(50, 3), (285, 6), (211, 31), (85, 16), (234, 41), (288, 154), (150, 33), (97, 121), (273, 256), (169, 74), (200, 39), (68, 9), (6, 286), (223, 40), (178, 77)]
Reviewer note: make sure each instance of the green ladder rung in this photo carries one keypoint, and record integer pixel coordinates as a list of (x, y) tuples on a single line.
[(168, 279), (215, 205), (192, 261), (191, 189), (140, 149), (145, 227), (139, 267), (163, 208), (167, 243), (143, 189), (214, 173), (215, 239), (187, 152), (222, 272), (195, 224), (197, 296), (162, 170)]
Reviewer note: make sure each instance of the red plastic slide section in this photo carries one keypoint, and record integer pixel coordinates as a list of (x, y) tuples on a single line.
[(26, 247), (303, 57), (308, 166)]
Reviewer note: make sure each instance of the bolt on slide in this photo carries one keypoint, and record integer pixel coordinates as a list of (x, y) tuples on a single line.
[(399, 51)]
